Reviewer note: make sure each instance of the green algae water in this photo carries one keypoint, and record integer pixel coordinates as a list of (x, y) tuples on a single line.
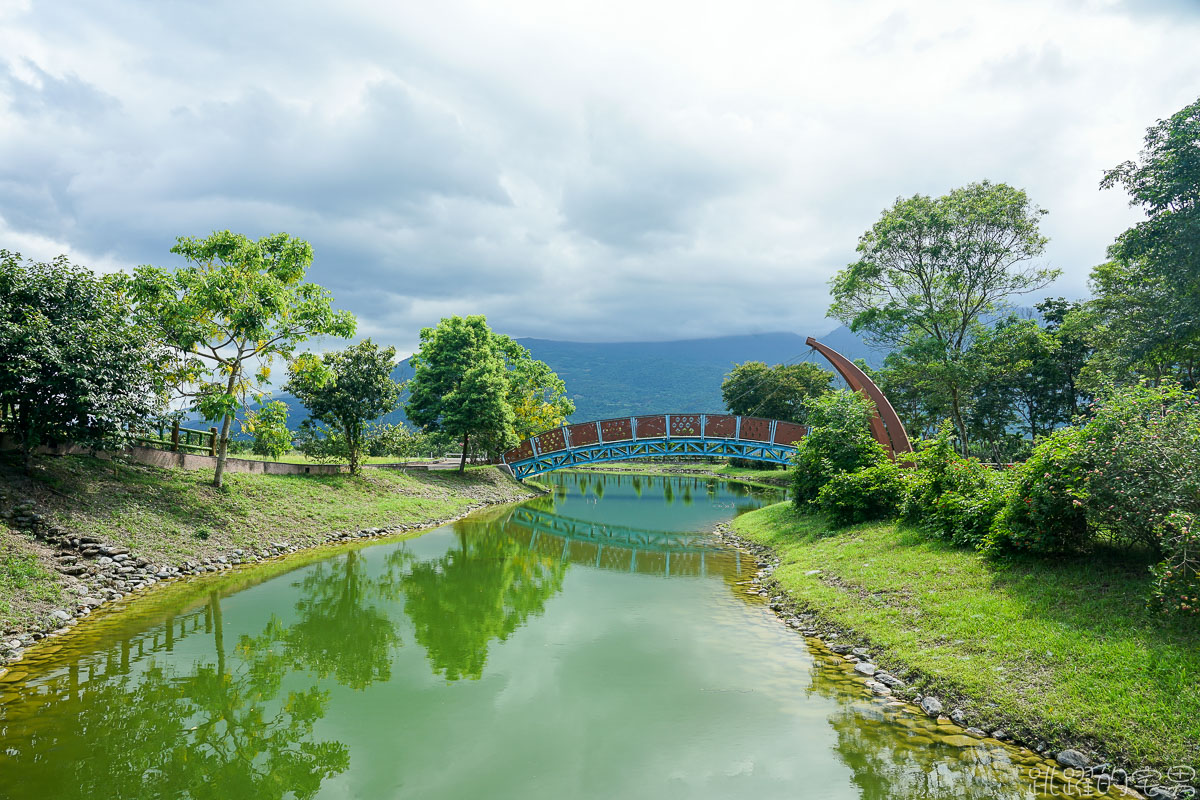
[(592, 643)]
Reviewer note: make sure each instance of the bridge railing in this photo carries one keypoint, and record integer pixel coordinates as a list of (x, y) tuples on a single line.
[(756, 430)]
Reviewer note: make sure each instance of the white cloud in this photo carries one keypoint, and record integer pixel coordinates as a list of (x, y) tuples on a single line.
[(622, 171)]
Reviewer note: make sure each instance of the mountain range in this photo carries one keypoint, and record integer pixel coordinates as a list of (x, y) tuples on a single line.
[(616, 379)]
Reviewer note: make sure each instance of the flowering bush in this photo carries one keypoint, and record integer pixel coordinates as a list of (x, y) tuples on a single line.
[(1043, 510), (864, 495), (1177, 576), (839, 441), (951, 497)]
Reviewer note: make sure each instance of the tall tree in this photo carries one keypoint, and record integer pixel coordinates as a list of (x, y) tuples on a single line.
[(74, 366), (237, 305), (757, 390), (347, 390), (1165, 183), (470, 382), (930, 268)]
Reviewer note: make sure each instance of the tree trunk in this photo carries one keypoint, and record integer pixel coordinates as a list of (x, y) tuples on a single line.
[(223, 441), (462, 462), (352, 448), (956, 410)]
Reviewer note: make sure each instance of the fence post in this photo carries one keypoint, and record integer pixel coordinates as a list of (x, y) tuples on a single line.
[(175, 436), (212, 442)]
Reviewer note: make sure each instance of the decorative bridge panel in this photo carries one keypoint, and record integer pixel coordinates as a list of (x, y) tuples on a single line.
[(651, 427), (656, 436), (584, 433), (550, 441), (756, 429), (616, 430), (789, 432)]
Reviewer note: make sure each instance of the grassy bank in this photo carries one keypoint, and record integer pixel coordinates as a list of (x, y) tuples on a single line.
[(168, 516), (1066, 651)]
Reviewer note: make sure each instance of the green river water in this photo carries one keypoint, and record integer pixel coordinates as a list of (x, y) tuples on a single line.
[(589, 644)]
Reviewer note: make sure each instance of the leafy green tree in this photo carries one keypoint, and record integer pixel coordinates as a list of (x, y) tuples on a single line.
[(839, 440), (930, 268), (346, 390), (756, 390), (470, 382), (237, 305), (272, 438), (74, 365), (1165, 183)]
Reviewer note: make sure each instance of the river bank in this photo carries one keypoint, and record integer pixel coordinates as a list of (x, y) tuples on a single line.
[(83, 532), (774, 478), (1056, 656)]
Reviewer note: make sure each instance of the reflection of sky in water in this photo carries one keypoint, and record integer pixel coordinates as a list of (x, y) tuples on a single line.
[(669, 503), (478, 660)]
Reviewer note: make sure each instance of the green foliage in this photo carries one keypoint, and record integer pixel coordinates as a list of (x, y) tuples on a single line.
[(951, 497), (865, 495), (237, 305), (1165, 184), (1177, 577), (470, 382), (839, 441), (931, 267), (346, 390), (272, 438), (757, 390), (1043, 511), (74, 365)]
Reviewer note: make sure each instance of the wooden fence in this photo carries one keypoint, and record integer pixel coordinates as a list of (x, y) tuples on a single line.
[(180, 440)]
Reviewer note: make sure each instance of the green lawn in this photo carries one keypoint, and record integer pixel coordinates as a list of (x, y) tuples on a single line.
[(1065, 650)]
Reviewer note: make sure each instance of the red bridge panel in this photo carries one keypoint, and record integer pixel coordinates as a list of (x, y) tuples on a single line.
[(651, 427), (583, 434), (616, 430), (685, 425), (789, 432), (722, 426), (756, 429), (550, 441), (523, 450)]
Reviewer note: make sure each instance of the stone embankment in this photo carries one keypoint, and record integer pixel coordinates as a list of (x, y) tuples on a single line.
[(960, 725)]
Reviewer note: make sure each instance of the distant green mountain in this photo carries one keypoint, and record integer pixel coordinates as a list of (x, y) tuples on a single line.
[(616, 379)]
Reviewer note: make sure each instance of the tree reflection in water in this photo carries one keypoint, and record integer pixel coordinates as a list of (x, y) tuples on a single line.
[(481, 590), (340, 632), (213, 731)]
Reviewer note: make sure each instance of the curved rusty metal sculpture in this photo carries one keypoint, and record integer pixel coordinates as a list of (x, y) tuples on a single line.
[(885, 425)]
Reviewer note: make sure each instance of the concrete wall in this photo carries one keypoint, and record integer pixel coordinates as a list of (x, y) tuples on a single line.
[(169, 460)]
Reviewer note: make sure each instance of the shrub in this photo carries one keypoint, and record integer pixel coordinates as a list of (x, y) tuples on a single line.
[(1043, 511), (1177, 576), (1143, 445), (865, 495), (269, 426), (951, 497), (839, 441)]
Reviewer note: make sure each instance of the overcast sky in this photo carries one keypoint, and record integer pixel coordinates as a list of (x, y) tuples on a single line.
[(599, 171)]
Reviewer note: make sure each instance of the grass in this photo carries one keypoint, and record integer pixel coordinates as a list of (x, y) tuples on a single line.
[(1066, 650), (25, 582)]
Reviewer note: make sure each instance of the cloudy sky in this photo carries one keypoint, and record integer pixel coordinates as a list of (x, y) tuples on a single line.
[(589, 171)]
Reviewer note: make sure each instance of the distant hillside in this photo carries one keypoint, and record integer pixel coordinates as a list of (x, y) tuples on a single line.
[(614, 379)]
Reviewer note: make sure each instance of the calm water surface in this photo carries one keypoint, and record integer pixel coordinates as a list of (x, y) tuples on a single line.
[(590, 644)]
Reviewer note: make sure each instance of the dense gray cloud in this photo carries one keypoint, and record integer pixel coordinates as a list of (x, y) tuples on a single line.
[(619, 171)]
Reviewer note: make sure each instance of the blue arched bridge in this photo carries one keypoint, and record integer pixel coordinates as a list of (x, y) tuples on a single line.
[(625, 438), (752, 438)]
